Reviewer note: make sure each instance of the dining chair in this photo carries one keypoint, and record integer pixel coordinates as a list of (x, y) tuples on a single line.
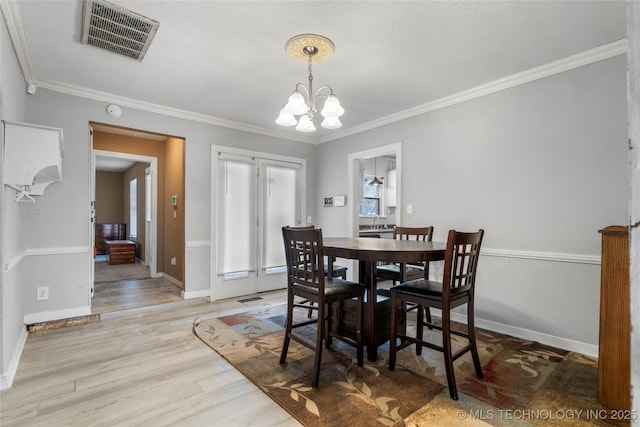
[(412, 271), (337, 271), (305, 279), (456, 289)]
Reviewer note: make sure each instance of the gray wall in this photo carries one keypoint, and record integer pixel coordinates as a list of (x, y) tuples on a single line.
[(73, 114), (12, 330), (541, 167)]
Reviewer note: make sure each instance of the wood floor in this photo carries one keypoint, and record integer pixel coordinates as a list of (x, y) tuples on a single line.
[(125, 294), (140, 366)]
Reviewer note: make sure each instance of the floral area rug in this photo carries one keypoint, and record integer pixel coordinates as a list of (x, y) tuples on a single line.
[(525, 383)]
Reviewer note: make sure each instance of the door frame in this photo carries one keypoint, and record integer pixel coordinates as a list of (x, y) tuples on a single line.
[(354, 177), (153, 161)]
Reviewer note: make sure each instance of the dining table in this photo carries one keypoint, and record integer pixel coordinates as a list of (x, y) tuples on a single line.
[(368, 252)]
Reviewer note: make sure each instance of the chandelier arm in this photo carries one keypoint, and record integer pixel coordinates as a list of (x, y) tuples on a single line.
[(305, 91), (317, 93)]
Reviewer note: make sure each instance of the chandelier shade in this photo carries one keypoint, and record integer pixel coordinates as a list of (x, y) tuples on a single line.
[(331, 123), (296, 104), (286, 118), (302, 102), (332, 107), (305, 124)]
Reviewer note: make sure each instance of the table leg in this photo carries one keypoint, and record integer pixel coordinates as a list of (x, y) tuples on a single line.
[(370, 282)]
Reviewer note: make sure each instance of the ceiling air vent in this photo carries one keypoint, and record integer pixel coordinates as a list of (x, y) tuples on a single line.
[(117, 29)]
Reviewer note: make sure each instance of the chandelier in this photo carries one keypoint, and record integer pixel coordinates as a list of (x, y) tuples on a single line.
[(303, 100)]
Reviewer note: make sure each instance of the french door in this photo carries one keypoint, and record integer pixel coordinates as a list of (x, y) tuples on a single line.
[(254, 196)]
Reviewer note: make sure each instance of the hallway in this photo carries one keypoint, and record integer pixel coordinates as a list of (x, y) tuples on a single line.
[(127, 286)]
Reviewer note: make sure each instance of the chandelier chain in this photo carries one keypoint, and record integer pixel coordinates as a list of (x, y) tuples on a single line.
[(311, 95)]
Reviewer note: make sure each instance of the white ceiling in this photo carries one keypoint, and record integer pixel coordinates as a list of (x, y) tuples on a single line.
[(223, 62)]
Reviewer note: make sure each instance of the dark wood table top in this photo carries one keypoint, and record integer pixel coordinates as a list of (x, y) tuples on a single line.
[(389, 250)]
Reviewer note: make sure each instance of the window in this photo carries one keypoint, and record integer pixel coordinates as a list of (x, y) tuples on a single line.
[(133, 208), (372, 195)]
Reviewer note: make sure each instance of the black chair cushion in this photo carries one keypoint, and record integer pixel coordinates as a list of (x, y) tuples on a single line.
[(426, 289), (391, 268), (393, 271), (332, 286), (338, 270)]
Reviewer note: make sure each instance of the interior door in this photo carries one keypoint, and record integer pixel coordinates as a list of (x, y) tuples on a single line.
[(254, 197), (280, 204)]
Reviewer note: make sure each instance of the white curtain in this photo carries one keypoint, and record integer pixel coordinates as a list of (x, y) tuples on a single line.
[(281, 207), (236, 228)]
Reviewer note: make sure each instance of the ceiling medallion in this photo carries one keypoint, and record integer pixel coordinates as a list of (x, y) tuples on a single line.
[(301, 47)]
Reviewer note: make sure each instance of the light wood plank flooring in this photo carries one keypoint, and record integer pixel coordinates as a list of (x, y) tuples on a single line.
[(126, 294), (139, 366)]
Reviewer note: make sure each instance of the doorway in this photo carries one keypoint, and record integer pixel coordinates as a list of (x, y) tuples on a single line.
[(154, 171), (355, 190), (355, 187), (129, 219)]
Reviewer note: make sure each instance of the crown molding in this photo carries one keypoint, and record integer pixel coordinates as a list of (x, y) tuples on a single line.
[(19, 39), (591, 56), (169, 111)]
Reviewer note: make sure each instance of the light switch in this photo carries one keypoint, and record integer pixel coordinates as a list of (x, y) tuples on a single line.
[(409, 209)]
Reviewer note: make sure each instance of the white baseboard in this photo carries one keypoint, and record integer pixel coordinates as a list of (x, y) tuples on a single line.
[(47, 316), (196, 294), (6, 379), (184, 294), (527, 334), (173, 280)]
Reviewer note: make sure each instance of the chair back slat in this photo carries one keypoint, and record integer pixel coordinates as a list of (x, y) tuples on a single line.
[(304, 255), (424, 234), (461, 261)]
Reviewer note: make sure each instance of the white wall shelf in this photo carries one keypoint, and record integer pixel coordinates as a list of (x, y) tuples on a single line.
[(32, 159)]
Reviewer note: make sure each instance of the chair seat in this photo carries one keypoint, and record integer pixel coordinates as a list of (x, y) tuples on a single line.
[(392, 272), (426, 289), (395, 268), (338, 271), (332, 287)]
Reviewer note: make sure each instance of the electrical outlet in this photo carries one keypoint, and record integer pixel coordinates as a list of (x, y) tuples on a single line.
[(42, 293), (174, 261)]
